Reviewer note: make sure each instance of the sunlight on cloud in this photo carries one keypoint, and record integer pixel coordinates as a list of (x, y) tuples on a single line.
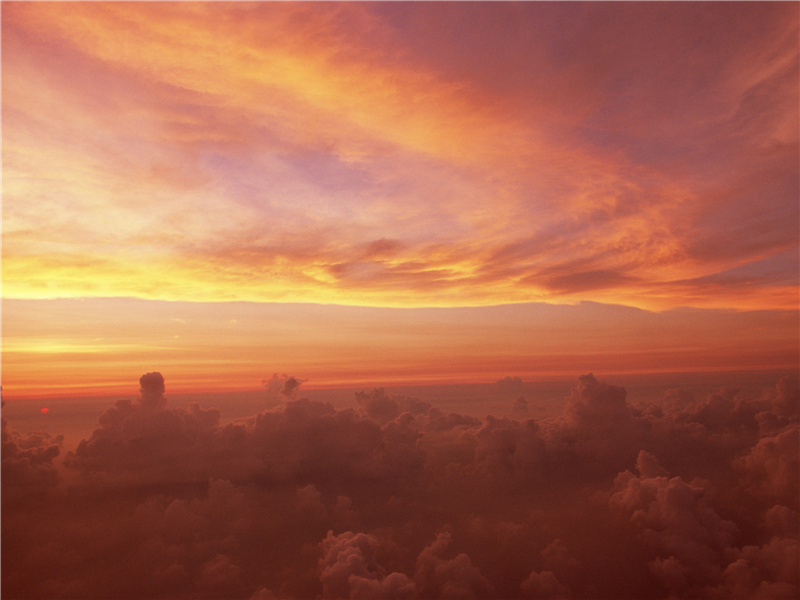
[(254, 158), (62, 347)]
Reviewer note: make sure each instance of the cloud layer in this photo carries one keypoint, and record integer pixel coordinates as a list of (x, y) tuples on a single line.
[(684, 498), (53, 347), (364, 154)]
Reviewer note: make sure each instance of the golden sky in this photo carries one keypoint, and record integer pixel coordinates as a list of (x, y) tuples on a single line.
[(399, 155)]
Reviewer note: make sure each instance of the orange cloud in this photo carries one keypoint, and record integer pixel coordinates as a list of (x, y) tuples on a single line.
[(73, 346), (261, 151)]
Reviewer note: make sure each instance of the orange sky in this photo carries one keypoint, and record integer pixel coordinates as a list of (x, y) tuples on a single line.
[(375, 158)]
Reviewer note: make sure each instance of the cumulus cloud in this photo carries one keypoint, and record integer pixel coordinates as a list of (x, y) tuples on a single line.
[(152, 390), (687, 537), (383, 407), (28, 464), (439, 577), (283, 385), (543, 585), (350, 569), (771, 467), (393, 498)]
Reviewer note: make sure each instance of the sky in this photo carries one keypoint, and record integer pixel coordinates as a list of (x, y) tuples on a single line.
[(423, 300), (428, 192)]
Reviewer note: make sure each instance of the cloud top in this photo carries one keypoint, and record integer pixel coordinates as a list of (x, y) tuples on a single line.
[(394, 498)]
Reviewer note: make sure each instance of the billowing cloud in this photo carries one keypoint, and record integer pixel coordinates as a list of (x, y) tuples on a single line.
[(282, 385), (152, 390), (682, 498), (687, 537), (350, 569), (28, 464)]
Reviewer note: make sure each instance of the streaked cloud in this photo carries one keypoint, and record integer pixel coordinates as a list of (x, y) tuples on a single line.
[(94, 343), (354, 153)]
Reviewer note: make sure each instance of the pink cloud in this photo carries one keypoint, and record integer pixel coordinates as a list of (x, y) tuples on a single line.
[(599, 166), (689, 498)]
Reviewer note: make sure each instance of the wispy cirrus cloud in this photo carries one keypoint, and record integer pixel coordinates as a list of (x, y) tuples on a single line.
[(256, 150)]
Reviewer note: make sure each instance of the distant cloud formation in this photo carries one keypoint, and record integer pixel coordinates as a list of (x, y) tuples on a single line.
[(152, 390), (394, 498), (282, 385), (368, 346)]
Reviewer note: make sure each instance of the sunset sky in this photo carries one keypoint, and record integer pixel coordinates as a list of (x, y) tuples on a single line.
[(400, 300), (421, 192)]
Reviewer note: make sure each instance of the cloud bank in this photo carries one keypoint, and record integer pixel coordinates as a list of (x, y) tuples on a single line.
[(394, 498)]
